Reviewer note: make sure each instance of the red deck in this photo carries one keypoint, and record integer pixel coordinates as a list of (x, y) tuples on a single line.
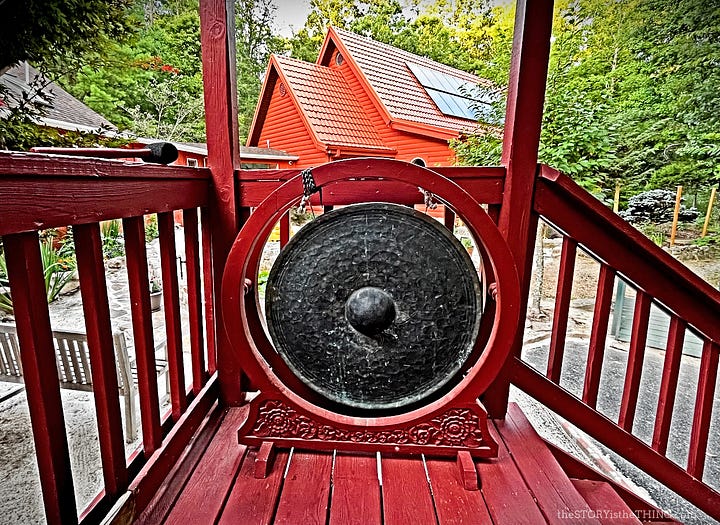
[(525, 484)]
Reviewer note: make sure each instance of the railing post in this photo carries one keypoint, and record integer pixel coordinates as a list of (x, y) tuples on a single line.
[(526, 94), (217, 33)]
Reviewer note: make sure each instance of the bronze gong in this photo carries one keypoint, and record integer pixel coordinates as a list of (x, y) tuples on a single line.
[(374, 306)]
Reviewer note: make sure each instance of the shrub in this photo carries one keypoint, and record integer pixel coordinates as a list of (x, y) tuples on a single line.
[(656, 206)]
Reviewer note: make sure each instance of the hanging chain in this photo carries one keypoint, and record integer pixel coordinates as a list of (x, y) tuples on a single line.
[(429, 198), (309, 188)]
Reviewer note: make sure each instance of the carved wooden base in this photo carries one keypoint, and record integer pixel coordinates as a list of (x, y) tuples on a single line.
[(462, 428)]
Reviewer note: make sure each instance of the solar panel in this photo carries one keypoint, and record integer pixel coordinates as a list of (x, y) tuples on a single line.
[(452, 95)]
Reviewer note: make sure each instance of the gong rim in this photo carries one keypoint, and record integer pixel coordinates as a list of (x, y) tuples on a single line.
[(422, 367), (250, 352)]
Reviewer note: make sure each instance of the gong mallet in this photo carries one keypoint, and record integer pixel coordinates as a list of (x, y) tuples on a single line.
[(156, 153)]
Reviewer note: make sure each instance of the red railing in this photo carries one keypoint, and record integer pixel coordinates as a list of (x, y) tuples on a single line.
[(692, 303), (40, 192)]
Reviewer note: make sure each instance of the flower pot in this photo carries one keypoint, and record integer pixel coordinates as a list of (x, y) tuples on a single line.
[(155, 301)]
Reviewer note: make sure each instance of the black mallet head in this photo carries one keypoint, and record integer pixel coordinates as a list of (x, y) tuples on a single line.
[(161, 153)]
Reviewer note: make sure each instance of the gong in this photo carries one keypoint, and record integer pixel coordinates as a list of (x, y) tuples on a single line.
[(374, 306)]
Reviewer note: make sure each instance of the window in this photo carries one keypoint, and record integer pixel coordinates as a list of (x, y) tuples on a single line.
[(193, 163)]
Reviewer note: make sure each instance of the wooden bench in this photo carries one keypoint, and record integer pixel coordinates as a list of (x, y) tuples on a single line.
[(73, 364)]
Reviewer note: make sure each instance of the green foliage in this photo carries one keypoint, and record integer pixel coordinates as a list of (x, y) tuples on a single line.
[(58, 270), (151, 228), (112, 243)]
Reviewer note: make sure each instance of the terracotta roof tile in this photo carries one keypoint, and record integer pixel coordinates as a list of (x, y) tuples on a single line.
[(385, 68), (329, 104)]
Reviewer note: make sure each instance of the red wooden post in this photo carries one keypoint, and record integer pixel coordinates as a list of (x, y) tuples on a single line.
[(703, 409), (636, 354), (91, 270), (208, 280), (171, 300), (523, 118), (217, 33), (598, 336), (37, 353), (139, 286), (192, 258), (668, 384), (449, 219), (562, 308), (284, 230)]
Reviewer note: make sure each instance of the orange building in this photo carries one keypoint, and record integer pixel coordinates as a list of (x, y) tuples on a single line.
[(364, 98)]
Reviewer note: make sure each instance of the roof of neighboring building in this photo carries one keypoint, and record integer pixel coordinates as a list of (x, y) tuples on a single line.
[(60, 109), (385, 69), (329, 104)]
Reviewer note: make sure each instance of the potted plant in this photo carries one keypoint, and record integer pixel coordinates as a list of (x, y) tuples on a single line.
[(155, 294)]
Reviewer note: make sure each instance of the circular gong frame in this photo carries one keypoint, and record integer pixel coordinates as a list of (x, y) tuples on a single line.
[(268, 372)]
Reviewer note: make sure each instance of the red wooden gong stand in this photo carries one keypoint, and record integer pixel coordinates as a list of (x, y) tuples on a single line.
[(287, 413)]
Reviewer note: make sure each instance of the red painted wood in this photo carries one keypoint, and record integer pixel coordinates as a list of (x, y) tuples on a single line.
[(575, 468), (306, 492), (139, 287), (170, 489), (468, 473), (153, 473), (703, 409), (509, 500), (206, 490), (636, 355), (406, 496), (208, 286), (91, 271), (668, 384), (598, 335), (628, 446), (526, 93), (449, 219), (608, 506), (218, 55), (485, 190), (621, 246), (454, 502), (562, 307), (252, 501), (284, 230), (356, 490), (37, 353), (264, 460), (552, 489), (195, 298), (171, 300)]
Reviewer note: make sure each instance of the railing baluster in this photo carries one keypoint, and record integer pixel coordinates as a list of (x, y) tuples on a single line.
[(562, 307), (284, 230), (598, 336), (636, 354), (703, 409), (208, 286), (37, 353), (192, 261), (136, 257), (668, 384), (171, 301), (449, 219), (91, 271)]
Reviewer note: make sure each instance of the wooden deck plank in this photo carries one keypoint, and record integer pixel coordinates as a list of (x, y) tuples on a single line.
[(406, 492), (508, 499), (253, 501), (207, 488), (607, 504), (556, 496), (306, 491), (454, 503), (356, 490)]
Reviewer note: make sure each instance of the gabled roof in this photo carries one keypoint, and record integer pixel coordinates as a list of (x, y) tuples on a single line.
[(325, 101), (60, 109), (398, 93)]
